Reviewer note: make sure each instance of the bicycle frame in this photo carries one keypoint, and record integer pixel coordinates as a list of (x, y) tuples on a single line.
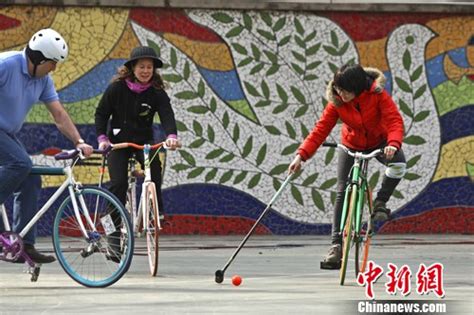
[(146, 148), (352, 210), (147, 213), (359, 179), (70, 184)]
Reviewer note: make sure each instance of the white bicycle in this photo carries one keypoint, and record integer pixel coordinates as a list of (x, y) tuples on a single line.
[(83, 230), (145, 214)]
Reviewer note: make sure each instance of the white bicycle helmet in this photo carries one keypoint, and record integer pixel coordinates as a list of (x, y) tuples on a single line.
[(47, 44)]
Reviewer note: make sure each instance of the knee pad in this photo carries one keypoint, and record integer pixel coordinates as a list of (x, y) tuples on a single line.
[(396, 170)]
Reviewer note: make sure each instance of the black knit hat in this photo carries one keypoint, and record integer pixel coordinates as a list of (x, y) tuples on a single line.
[(143, 52)]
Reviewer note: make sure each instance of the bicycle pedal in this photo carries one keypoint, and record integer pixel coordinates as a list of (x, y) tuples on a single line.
[(330, 265), (35, 274), (33, 271)]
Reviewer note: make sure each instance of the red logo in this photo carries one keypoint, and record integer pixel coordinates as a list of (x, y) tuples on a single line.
[(428, 279), (369, 277), (399, 279)]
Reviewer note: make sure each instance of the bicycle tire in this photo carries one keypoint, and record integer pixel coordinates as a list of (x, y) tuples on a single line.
[(362, 249), (347, 235), (359, 238), (363, 246), (362, 254), (88, 260), (152, 227)]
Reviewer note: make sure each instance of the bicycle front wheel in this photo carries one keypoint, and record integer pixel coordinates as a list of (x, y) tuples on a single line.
[(362, 248), (365, 238), (362, 253), (347, 235), (152, 227), (103, 255)]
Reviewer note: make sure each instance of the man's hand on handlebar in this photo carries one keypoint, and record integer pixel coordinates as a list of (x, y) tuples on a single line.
[(85, 148)]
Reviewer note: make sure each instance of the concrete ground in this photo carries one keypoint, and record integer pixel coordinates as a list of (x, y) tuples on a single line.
[(280, 274)]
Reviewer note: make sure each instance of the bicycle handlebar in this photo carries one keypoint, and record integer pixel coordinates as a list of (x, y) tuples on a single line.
[(123, 145), (356, 154), (70, 154)]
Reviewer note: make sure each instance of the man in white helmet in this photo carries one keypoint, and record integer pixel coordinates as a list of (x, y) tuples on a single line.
[(25, 80)]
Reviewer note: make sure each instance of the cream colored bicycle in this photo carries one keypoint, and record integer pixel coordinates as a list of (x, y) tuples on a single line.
[(144, 214)]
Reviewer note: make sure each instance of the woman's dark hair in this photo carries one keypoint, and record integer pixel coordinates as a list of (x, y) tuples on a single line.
[(125, 73), (352, 78)]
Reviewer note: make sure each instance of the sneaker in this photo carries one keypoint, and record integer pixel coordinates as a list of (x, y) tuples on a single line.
[(381, 213), (113, 257), (334, 255), (35, 256), (164, 221)]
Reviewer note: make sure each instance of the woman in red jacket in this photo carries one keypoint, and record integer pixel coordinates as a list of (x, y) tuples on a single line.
[(370, 120)]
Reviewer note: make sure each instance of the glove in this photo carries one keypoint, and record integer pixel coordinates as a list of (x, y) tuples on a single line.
[(389, 151), (104, 142)]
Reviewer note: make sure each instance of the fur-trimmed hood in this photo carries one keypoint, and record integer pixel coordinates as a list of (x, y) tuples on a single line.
[(374, 73)]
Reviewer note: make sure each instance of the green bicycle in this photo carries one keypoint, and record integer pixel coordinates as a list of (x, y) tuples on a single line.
[(357, 229)]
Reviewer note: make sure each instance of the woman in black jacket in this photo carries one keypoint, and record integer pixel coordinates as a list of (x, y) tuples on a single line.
[(125, 114)]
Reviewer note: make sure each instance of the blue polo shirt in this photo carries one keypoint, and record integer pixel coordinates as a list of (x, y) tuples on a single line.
[(19, 91)]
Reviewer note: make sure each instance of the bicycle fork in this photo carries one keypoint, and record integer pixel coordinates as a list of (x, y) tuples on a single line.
[(93, 237), (142, 213)]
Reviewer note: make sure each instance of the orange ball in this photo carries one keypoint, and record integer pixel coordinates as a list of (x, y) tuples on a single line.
[(236, 280)]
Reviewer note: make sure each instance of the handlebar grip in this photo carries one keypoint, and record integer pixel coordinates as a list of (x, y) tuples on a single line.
[(117, 146), (70, 154), (103, 152), (329, 144), (66, 155)]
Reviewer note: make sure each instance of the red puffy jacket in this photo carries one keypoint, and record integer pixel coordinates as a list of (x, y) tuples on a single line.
[(368, 120)]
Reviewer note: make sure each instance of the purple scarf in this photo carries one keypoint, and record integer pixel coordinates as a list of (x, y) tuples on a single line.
[(137, 87)]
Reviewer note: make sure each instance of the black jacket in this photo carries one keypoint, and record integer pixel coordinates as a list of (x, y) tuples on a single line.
[(132, 113)]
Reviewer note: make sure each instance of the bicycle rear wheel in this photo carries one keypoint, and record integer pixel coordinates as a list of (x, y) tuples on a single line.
[(347, 235), (152, 227), (104, 255)]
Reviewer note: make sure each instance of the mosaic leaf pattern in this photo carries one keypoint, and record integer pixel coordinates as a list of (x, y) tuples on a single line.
[(246, 99), (282, 64)]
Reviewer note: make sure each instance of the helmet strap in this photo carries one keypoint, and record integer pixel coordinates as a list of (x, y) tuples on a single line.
[(36, 57), (34, 70)]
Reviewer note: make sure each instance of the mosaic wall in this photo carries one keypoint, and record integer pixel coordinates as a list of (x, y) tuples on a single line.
[(247, 86)]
